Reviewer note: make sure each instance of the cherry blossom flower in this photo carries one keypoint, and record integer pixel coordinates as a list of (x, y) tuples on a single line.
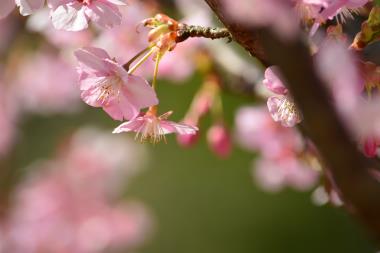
[(280, 106), (27, 7), (283, 160), (74, 15), (105, 83), (275, 174), (153, 127)]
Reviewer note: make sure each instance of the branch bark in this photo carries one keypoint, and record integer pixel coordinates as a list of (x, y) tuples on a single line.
[(349, 168)]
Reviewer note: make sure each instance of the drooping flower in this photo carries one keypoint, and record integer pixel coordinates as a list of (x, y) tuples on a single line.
[(75, 15), (105, 83), (27, 7), (153, 127)]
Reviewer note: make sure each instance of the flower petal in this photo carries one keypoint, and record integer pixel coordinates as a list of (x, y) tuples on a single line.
[(27, 7), (138, 91), (69, 17), (6, 7)]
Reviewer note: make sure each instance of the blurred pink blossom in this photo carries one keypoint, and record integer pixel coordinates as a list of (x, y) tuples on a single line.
[(57, 210), (276, 14), (281, 151), (275, 174), (65, 40), (105, 83), (27, 7), (46, 84), (74, 15), (256, 131)]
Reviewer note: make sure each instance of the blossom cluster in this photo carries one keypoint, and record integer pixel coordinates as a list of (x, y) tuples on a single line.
[(72, 200)]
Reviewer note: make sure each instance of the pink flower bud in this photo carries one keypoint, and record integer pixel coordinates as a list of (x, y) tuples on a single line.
[(219, 140), (187, 140), (370, 147)]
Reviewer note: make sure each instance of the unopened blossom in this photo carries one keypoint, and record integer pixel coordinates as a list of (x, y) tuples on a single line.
[(105, 83), (281, 106), (74, 15), (163, 33), (27, 7), (154, 128), (370, 147), (219, 140), (188, 140)]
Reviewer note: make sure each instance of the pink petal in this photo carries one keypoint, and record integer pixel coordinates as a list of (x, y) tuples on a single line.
[(273, 82), (138, 92), (91, 59), (172, 127), (6, 6), (117, 2), (130, 126), (105, 15), (120, 109), (27, 7), (69, 17)]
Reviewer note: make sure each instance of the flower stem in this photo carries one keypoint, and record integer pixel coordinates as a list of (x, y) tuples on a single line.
[(141, 61), (134, 58), (155, 73)]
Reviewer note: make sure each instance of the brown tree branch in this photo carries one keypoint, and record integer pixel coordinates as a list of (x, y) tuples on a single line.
[(348, 167)]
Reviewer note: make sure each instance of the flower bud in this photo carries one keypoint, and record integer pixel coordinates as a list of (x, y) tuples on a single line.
[(188, 140), (219, 140), (370, 147)]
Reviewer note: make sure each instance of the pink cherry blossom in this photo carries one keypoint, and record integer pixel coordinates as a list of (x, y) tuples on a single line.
[(281, 149), (283, 110), (27, 7), (256, 131), (105, 83), (273, 82), (281, 107), (275, 174), (74, 15), (154, 128)]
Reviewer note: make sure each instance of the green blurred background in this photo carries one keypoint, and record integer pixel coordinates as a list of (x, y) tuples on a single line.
[(202, 204)]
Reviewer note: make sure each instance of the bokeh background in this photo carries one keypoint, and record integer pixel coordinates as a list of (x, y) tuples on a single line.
[(201, 203)]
